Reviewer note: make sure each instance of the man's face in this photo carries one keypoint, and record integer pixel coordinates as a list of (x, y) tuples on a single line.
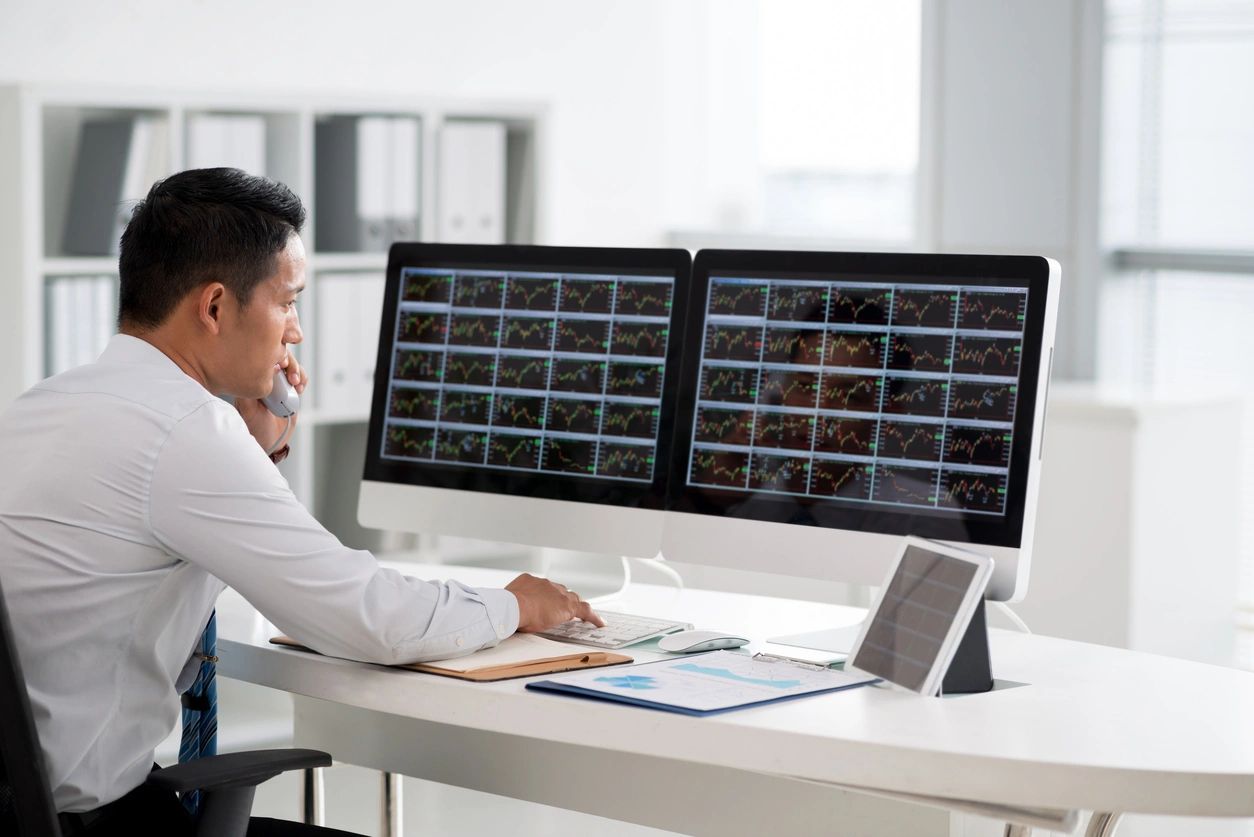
[(262, 330)]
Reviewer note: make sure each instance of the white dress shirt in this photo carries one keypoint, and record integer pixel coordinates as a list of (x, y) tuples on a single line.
[(128, 496)]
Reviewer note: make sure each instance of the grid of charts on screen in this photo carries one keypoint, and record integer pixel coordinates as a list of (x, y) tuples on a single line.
[(529, 371), (881, 392)]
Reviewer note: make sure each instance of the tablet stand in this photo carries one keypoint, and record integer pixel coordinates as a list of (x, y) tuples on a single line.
[(971, 669)]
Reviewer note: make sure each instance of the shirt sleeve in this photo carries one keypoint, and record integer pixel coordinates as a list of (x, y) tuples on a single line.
[(218, 502)]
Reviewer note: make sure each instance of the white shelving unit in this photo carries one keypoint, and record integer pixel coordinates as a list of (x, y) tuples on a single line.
[(39, 136)]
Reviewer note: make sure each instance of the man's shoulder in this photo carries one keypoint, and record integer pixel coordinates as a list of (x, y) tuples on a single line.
[(163, 392)]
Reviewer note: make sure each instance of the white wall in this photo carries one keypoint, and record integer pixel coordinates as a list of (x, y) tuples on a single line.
[(653, 102), (619, 77), (1012, 140)]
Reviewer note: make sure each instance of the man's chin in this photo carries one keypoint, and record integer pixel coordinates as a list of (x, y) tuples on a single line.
[(255, 393)]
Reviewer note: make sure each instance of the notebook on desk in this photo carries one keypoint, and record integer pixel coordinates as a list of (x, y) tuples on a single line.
[(520, 655)]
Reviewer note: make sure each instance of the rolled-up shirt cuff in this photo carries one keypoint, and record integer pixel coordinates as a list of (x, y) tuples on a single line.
[(502, 609)]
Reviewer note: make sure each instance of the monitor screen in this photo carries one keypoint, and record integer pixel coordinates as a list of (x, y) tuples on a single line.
[(851, 397), (883, 396), (544, 371)]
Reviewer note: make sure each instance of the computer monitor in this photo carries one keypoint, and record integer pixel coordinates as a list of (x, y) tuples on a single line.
[(826, 404), (527, 394), (831, 403)]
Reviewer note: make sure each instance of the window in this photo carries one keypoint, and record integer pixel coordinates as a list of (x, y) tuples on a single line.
[(1178, 223), (838, 121)]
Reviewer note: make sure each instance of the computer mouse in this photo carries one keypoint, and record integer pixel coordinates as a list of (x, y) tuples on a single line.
[(690, 642)]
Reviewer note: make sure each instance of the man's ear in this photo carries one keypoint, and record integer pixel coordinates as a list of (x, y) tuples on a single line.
[(209, 303)]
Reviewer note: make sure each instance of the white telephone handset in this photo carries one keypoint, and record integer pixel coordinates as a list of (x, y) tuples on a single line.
[(282, 400)]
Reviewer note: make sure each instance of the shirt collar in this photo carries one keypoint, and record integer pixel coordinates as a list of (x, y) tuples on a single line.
[(124, 348)]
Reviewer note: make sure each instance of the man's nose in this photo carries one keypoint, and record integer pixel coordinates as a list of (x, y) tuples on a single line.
[(293, 334)]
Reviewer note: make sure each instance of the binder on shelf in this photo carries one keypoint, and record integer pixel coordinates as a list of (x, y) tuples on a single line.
[(59, 300), (520, 655), (346, 337), (333, 342), (405, 197), (105, 308), (118, 160), (235, 140), (369, 314), (81, 316), (366, 191), (472, 183), (83, 325), (520, 186), (374, 154)]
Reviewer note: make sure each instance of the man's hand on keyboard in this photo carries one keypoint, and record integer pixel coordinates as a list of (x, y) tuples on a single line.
[(543, 604)]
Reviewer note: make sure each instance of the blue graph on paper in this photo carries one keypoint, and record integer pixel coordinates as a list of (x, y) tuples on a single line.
[(629, 681), (739, 678), (709, 683)]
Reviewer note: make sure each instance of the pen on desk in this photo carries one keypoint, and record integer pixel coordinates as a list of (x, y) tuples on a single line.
[(764, 657)]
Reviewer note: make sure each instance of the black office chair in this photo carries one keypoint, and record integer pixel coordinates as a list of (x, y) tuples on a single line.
[(228, 782)]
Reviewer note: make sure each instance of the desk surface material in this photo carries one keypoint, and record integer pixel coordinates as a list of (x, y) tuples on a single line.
[(1091, 728)]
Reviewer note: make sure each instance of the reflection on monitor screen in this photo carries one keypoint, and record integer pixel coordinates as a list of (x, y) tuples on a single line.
[(529, 371), (832, 402), (883, 393)]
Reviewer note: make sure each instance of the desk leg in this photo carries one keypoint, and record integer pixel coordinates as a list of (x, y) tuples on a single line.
[(392, 825), (314, 801), (1102, 825), (1013, 830)]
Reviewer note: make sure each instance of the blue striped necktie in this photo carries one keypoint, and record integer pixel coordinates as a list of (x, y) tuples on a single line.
[(200, 709)]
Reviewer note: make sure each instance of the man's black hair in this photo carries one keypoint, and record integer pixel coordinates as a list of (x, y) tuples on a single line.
[(200, 226)]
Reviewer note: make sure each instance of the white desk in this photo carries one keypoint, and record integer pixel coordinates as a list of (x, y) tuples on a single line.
[(1095, 728)]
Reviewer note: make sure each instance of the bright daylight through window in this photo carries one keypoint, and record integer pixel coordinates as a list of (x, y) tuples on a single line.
[(1178, 179), (838, 135)]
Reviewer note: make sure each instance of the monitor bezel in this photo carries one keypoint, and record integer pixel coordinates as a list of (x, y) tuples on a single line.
[(541, 485), (1005, 531)]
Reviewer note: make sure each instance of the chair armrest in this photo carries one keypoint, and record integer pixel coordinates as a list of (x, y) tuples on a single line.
[(234, 770)]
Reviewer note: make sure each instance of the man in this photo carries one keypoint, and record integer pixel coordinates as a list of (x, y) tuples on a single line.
[(132, 493)]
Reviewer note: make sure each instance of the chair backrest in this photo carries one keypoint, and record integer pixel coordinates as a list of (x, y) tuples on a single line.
[(26, 806)]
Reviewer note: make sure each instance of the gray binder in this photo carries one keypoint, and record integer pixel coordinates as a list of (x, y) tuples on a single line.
[(91, 222), (366, 182)]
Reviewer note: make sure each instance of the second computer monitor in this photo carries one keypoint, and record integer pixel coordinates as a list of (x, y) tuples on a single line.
[(833, 402)]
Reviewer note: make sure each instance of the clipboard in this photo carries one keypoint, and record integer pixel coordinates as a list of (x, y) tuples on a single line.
[(503, 671), (707, 684)]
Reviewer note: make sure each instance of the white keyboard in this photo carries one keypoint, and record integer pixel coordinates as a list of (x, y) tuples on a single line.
[(620, 630)]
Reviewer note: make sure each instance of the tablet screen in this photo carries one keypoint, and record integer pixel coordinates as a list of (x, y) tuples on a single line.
[(909, 630)]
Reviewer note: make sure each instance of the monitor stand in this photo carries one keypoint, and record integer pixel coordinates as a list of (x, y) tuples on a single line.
[(971, 670), (598, 577), (595, 576), (832, 640)]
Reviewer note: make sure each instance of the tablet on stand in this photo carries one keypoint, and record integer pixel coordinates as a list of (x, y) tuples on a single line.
[(922, 617)]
